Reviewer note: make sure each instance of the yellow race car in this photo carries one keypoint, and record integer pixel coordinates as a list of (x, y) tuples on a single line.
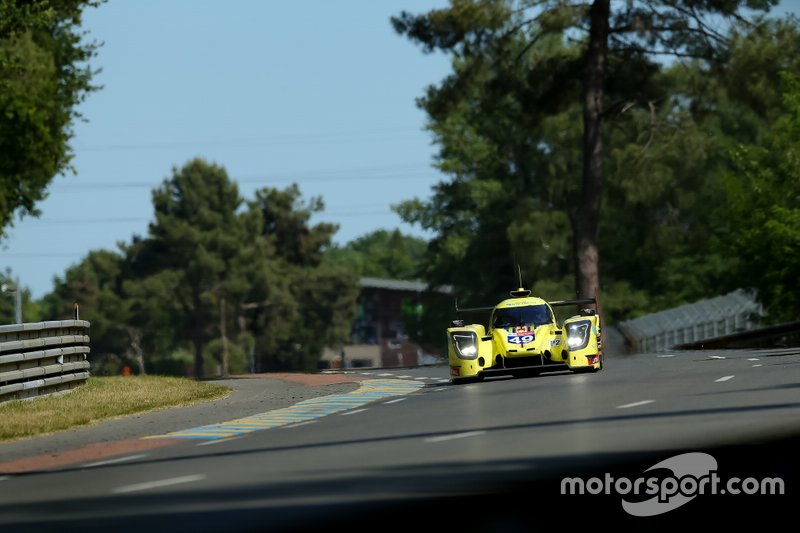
[(522, 337)]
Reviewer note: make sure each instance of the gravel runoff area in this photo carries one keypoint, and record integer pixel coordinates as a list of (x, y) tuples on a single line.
[(252, 394)]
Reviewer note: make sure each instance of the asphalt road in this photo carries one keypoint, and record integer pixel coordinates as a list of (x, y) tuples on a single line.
[(487, 456)]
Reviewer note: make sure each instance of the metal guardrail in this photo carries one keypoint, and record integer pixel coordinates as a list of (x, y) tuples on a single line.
[(41, 358)]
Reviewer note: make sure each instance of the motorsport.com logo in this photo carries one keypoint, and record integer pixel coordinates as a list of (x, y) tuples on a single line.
[(693, 474)]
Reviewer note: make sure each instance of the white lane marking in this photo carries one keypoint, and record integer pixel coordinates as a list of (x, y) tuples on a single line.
[(353, 412), (3, 478), (666, 355), (634, 404), (423, 378), (114, 461), (754, 359), (443, 380), (307, 422), (468, 387), (367, 373), (716, 357), (395, 401), (218, 441), (723, 378), (405, 377), (455, 436), (439, 389), (758, 365), (158, 484), (384, 375)]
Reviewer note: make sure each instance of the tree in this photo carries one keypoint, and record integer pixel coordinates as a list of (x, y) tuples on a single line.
[(762, 210), (225, 278), (44, 75), (303, 302), (95, 284), (487, 36), (192, 246), (382, 254)]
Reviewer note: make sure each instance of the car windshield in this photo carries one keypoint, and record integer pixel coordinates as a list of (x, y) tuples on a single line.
[(531, 315)]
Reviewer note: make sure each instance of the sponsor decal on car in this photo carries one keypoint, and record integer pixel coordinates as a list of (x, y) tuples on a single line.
[(521, 338)]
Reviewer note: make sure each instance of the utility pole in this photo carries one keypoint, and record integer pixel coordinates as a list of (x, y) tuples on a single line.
[(224, 336), (5, 287), (18, 303)]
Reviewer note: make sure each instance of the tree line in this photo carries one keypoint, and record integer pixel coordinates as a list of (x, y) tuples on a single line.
[(646, 151), (675, 120)]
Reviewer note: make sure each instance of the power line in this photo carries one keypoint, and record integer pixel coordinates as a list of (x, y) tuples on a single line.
[(300, 178), (118, 220), (331, 137), (42, 255)]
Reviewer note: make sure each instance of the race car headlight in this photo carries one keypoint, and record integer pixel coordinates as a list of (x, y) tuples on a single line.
[(578, 335), (466, 345)]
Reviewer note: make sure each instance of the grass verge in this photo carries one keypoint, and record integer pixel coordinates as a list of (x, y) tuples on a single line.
[(101, 398)]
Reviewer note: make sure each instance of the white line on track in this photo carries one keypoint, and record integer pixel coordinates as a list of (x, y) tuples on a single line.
[(405, 377), (395, 401), (3, 478), (114, 461), (353, 412), (666, 355), (439, 389), (455, 436), (367, 373), (423, 378), (384, 375), (758, 365), (218, 441), (754, 359), (307, 422), (723, 378), (158, 484), (634, 404), (716, 357)]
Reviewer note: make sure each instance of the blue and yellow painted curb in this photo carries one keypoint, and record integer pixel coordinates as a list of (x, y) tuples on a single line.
[(369, 391)]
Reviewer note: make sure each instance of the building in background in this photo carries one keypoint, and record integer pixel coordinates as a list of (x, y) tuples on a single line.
[(379, 336)]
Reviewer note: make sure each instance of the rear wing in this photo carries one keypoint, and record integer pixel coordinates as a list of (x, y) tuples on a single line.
[(473, 309), (561, 303), (557, 303)]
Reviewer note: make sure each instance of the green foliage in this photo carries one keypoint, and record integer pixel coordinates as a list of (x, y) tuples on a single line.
[(762, 215), (94, 285), (381, 254), (209, 252), (44, 75), (507, 121)]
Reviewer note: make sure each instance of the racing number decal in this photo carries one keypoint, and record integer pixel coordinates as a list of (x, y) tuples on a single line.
[(520, 339)]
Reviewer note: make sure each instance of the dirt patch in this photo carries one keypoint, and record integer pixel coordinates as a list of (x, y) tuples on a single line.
[(90, 452)]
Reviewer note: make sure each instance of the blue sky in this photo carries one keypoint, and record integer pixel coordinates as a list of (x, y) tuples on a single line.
[(317, 92)]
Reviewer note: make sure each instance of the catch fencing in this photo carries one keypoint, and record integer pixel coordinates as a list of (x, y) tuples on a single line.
[(690, 324)]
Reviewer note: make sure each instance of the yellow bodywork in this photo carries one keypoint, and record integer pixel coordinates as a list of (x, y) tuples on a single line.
[(521, 348)]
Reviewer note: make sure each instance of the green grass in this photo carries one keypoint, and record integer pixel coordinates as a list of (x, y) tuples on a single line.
[(101, 399)]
